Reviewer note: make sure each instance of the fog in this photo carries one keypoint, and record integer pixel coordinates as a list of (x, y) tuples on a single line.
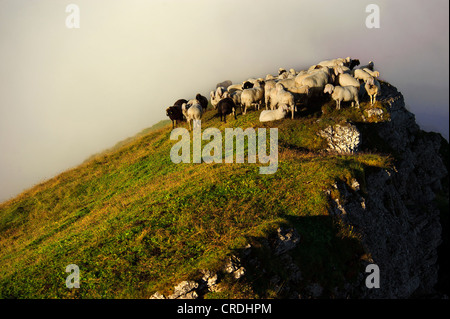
[(66, 94)]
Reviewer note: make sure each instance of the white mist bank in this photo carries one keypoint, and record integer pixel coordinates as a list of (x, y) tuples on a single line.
[(66, 94)]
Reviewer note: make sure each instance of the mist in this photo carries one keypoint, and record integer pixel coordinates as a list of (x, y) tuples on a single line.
[(66, 94)]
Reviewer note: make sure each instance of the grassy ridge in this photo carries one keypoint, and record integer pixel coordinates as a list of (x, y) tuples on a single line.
[(134, 222)]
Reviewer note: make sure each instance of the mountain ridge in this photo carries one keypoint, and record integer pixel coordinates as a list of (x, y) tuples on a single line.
[(136, 223)]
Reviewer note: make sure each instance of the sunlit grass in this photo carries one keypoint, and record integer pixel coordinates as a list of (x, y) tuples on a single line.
[(134, 222)]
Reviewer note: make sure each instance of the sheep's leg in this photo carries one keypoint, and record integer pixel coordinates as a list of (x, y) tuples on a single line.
[(338, 105), (374, 98), (245, 109)]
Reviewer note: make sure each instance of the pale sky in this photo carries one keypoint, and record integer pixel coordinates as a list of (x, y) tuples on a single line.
[(66, 94)]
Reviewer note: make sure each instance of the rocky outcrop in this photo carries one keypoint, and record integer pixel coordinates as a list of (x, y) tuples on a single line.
[(395, 214), (184, 290), (341, 138), (284, 241)]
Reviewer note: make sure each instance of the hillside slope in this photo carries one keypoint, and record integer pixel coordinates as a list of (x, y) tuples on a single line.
[(136, 223)]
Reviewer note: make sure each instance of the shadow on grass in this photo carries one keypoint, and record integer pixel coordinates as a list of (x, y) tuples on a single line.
[(325, 254)]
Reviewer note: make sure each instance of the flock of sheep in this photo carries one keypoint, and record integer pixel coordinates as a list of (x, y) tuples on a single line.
[(282, 93)]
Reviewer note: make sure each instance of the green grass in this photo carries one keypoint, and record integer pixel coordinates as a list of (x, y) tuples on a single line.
[(134, 222)]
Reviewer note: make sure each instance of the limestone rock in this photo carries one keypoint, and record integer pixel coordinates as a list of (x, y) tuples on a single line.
[(342, 139), (233, 266), (185, 290), (157, 295)]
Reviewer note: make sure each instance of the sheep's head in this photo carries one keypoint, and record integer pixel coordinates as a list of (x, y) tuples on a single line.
[(259, 83), (219, 91), (329, 88), (354, 63), (370, 81), (247, 85), (283, 75), (338, 70)]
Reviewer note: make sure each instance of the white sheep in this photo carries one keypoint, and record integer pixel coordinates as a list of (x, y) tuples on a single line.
[(300, 76), (346, 79), (316, 81), (234, 87), (252, 96), (342, 69), (288, 83), (315, 67), (335, 62), (269, 84), (360, 74), (300, 93), (299, 89), (193, 113), (373, 73), (346, 94), (217, 95), (273, 115), (270, 94), (281, 96), (372, 88), (283, 76)]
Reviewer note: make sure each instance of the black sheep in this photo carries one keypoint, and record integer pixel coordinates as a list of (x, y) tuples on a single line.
[(353, 63), (180, 102), (175, 114), (203, 101), (226, 106)]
